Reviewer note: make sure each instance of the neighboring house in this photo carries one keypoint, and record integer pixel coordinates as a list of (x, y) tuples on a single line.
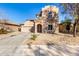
[(46, 22), (62, 28), (9, 26)]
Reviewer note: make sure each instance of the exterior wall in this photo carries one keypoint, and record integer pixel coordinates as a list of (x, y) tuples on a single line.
[(45, 20), (8, 25), (62, 28), (38, 22), (45, 24), (12, 27), (32, 26), (28, 26), (45, 27)]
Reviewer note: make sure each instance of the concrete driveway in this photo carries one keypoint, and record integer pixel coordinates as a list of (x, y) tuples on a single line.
[(47, 50), (9, 43)]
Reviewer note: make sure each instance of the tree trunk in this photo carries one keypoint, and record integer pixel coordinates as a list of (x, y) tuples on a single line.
[(74, 29)]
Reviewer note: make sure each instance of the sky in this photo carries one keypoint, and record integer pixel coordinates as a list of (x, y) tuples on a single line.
[(21, 12)]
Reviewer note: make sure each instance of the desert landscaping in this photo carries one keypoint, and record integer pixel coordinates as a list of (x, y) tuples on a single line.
[(57, 38)]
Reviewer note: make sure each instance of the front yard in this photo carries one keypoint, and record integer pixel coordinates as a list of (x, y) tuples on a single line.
[(51, 45), (49, 39), (23, 44)]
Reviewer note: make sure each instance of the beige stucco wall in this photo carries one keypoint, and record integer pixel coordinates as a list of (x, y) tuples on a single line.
[(12, 27), (27, 26), (9, 27)]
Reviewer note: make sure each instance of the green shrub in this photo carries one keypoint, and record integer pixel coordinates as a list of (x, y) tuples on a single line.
[(34, 36)]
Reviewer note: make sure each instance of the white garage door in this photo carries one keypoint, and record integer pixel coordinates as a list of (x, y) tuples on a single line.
[(26, 29)]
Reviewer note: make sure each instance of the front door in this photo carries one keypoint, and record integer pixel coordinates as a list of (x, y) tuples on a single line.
[(39, 28)]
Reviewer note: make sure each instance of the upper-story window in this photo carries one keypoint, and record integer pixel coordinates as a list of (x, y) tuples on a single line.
[(49, 15)]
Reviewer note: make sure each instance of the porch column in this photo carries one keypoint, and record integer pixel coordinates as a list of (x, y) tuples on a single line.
[(35, 28)]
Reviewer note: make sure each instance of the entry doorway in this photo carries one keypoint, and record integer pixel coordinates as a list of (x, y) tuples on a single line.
[(39, 28)]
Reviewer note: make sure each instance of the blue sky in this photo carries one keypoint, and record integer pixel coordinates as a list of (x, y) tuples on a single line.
[(20, 12)]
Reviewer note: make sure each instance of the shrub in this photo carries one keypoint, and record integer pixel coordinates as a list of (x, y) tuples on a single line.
[(34, 36), (2, 31)]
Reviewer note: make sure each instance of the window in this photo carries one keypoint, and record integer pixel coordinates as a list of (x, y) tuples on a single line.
[(49, 15), (49, 27)]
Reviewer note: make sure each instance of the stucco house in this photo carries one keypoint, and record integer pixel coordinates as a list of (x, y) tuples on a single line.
[(8, 25), (46, 21)]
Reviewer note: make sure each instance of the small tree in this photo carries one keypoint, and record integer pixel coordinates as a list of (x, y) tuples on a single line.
[(67, 21), (73, 10)]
